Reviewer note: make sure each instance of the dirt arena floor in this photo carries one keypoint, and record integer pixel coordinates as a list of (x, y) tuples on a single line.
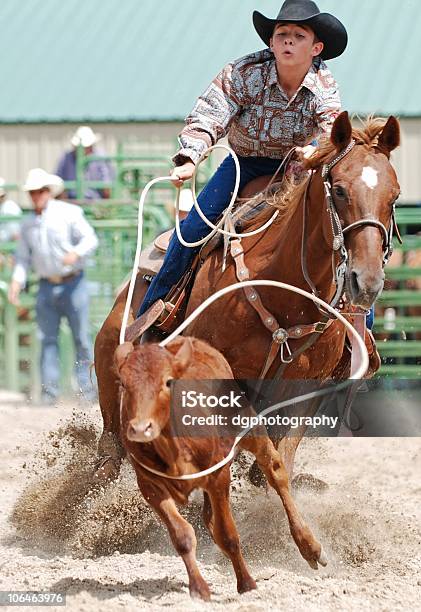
[(106, 550)]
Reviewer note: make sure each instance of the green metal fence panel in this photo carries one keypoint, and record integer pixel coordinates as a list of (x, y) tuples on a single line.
[(134, 165), (19, 355), (399, 325)]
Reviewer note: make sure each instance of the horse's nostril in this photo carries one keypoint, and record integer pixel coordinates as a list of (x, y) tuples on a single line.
[(354, 283)]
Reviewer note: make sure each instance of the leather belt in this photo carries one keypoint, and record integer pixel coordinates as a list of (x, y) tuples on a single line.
[(58, 280)]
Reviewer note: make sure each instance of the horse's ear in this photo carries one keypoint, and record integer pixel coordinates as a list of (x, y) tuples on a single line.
[(121, 354), (341, 133), (390, 136), (183, 357)]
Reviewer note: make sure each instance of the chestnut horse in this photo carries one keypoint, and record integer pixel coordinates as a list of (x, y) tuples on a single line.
[(364, 188)]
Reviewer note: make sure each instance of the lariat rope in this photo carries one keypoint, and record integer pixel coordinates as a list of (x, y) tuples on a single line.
[(359, 373), (218, 228), (215, 228)]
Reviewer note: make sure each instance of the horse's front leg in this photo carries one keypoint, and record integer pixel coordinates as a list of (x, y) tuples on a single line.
[(272, 465), (287, 448)]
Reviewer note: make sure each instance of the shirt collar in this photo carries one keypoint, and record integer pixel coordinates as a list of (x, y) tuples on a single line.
[(47, 206), (273, 75), (312, 81)]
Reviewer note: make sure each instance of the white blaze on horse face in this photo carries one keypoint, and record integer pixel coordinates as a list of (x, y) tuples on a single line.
[(369, 177)]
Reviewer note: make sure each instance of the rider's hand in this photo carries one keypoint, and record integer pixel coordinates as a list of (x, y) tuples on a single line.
[(13, 293), (70, 258), (182, 173)]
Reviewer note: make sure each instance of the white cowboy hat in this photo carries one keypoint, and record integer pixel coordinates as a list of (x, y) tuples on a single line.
[(84, 136), (2, 189), (185, 202), (38, 178)]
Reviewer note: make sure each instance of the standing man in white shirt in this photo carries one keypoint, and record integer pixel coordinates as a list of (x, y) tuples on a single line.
[(9, 230), (55, 241)]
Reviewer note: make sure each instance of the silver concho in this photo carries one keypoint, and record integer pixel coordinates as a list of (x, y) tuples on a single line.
[(280, 335), (337, 243)]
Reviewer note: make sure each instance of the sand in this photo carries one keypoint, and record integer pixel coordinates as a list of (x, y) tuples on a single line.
[(107, 551)]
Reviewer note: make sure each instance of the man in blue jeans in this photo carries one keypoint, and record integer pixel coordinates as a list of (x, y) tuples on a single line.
[(55, 240), (266, 103)]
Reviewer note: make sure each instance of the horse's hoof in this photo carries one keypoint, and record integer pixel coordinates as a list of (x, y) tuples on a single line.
[(313, 564), (308, 481), (106, 470), (200, 591), (256, 476), (322, 560), (248, 584)]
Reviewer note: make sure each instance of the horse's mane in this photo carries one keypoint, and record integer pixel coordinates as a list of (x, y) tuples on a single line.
[(367, 135), (291, 190)]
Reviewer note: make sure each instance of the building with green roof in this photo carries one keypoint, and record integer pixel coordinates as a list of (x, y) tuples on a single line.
[(134, 68)]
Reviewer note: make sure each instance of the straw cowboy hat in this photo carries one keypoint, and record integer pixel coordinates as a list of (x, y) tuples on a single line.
[(328, 29), (2, 189), (84, 136), (38, 179)]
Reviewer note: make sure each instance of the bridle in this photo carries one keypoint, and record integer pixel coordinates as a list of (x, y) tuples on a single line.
[(339, 232)]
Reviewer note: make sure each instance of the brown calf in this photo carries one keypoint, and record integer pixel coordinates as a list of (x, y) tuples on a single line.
[(145, 372)]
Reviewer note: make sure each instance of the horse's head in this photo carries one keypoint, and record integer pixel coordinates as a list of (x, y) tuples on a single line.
[(145, 372), (363, 188)]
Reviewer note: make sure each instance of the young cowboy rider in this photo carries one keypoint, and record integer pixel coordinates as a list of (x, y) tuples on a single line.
[(267, 102)]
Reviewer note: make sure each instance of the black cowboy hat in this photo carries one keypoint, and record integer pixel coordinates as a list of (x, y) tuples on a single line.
[(327, 28)]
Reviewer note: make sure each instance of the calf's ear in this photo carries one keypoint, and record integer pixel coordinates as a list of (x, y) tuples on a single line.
[(121, 354), (183, 357)]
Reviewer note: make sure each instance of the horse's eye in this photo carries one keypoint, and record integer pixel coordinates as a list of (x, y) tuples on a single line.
[(168, 382), (340, 192)]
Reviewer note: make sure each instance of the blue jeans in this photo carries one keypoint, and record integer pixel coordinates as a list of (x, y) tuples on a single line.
[(213, 200), (70, 300)]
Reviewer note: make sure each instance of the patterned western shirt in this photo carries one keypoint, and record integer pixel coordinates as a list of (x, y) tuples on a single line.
[(246, 102)]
